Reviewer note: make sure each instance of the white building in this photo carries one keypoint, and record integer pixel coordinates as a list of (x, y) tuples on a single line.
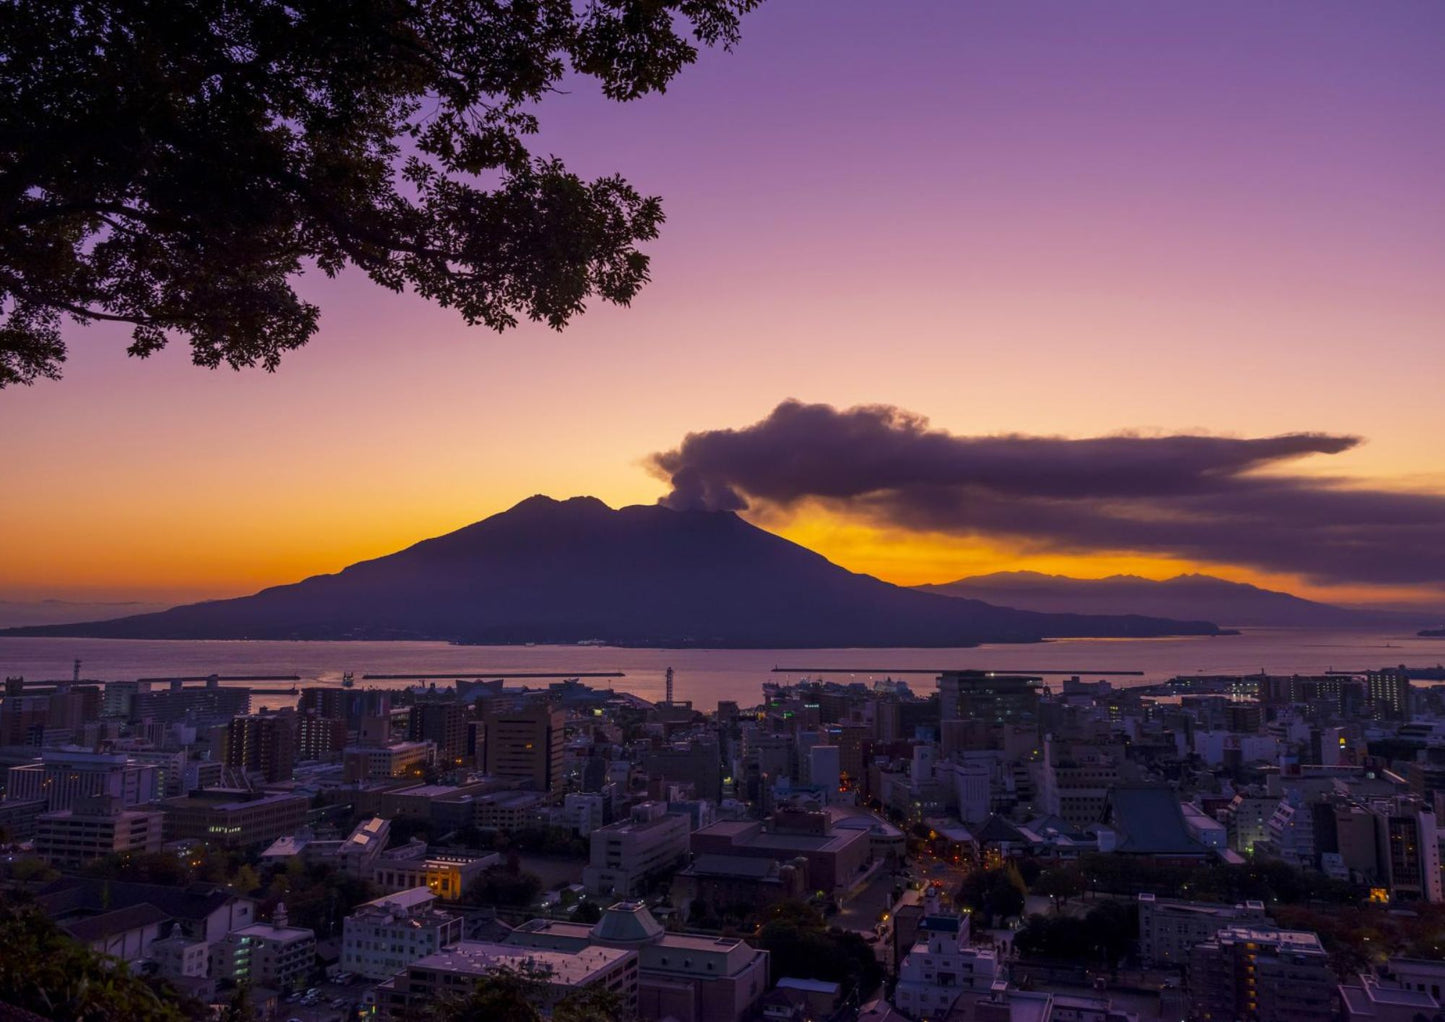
[(942, 966), (1168, 929), (973, 788), (383, 937), (625, 854), (457, 967), (179, 957), (62, 776), (270, 954)]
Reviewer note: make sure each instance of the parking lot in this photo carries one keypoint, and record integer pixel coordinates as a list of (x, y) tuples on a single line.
[(333, 1002)]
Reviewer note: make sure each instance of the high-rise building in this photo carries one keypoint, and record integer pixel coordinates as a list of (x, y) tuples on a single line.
[(524, 741), (1261, 974), (319, 737), (264, 745), (1389, 693), (982, 695), (23, 719), (177, 703), (1074, 781), (443, 723), (1408, 849)]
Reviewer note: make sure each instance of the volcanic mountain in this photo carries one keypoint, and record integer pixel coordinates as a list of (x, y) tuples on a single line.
[(1184, 596), (569, 571)]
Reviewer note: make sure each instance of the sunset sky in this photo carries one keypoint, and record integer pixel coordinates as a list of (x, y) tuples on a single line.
[(1017, 217)]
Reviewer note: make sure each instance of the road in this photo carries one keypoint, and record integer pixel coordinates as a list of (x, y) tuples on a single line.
[(863, 910)]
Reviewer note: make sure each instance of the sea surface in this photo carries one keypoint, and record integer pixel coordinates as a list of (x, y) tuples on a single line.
[(705, 676)]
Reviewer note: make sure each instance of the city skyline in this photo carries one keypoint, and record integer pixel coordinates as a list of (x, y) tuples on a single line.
[(1012, 219)]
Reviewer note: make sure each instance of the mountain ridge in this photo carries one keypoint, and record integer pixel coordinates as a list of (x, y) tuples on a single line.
[(1197, 595), (644, 575)]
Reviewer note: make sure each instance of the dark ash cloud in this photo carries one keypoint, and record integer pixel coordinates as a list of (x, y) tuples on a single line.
[(1203, 498)]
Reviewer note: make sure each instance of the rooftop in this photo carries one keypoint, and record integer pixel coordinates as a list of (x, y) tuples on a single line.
[(568, 968), (408, 900), (1149, 821), (1293, 940)]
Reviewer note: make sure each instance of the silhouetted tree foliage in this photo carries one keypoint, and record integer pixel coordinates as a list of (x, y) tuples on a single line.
[(1267, 880), (1358, 936), (1059, 883), (517, 995), (317, 897), (505, 887), (801, 945), (213, 865), (1103, 936), (993, 894), (174, 165), (46, 972)]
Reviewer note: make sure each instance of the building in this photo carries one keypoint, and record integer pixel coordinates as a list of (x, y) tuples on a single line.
[(447, 875), (1075, 780), (681, 976), (1168, 929), (835, 856), (586, 811), (272, 954), (1261, 974), (1370, 1000), (1388, 693), (65, 775), (263, 746), (24, 719), (444, 724), (383, 937), (1147, 820), (176, 703), (1249, 817), (625, 855), (454, 970), (509, 810), (942, 966), (232, 817), (740, 884), (988, 697), (1408, 849), (825, 771), (696, 761), (523, 741), (128, 920), (94, 828), (402, 759), (319, 737)]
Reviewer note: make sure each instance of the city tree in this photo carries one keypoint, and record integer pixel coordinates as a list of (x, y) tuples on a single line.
[(174, 165)]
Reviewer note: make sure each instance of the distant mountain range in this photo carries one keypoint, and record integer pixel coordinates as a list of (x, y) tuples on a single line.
[(1234, 604), (15, 613), (576, 570)]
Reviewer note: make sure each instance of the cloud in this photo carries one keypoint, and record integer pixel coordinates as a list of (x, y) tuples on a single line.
[(1202, 498)]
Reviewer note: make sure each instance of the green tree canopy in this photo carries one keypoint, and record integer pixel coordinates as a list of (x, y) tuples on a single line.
[(46, 972), (802, 947), (174, 164), (517, 995), (993, 893)]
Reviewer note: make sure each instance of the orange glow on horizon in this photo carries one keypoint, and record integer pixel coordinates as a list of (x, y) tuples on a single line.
[(184, 557)]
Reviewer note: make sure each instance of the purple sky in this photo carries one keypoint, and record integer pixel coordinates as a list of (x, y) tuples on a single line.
[(1051, 218)]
